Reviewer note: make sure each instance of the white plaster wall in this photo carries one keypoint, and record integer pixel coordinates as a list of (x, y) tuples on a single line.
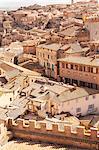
[(5, 99), (71, 106)]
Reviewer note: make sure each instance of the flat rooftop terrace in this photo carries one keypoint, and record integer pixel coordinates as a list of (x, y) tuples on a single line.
[(81, 60)]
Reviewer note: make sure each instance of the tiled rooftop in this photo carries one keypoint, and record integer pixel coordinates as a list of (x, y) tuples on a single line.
[(53, 46), (74, 48), (6, 67), (70, 31), (76, 93)]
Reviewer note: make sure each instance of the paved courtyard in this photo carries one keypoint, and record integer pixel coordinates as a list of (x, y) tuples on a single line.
[(24, 145)]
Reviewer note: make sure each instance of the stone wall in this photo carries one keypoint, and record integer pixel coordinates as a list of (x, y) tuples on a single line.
[(32, 130)]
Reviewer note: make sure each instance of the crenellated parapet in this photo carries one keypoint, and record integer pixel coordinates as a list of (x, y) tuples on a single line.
[(42, 132)]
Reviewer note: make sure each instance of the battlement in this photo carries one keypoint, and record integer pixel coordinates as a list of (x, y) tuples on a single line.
[(43, 132), (32, 125)]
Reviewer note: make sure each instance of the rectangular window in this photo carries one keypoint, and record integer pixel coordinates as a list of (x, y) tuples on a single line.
[(63, 65), (44, 64), (67, 66), (91, 70), (94, 96), (76, 67), (86, 98), (52, 67), (80, 68), (78, 110), (96, 70), (88, 69), (10, 99), (71, 66), (84, 69), (91, 108), (48, 65)]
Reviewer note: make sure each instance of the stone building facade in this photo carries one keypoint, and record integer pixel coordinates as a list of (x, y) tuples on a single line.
[(82, 71), (47, 56)]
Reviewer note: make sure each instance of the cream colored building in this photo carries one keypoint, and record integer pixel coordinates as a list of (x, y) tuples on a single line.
[(54, 98), (77, 101), (92, 24), (47, 55), (6, 97)]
